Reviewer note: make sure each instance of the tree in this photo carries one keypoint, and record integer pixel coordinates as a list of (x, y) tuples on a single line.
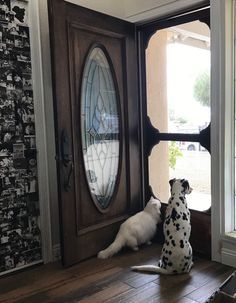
[(201, 90)]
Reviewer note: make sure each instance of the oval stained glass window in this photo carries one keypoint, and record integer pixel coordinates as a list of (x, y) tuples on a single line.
[(100, 127)]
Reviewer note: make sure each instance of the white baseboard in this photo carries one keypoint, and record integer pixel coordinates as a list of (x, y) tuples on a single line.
[(56, 251), (228, 257)]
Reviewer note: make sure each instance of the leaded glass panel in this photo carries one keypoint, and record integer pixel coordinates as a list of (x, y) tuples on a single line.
[(100, 127)]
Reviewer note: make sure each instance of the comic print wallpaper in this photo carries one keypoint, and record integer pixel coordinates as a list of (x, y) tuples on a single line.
[(20, 242)]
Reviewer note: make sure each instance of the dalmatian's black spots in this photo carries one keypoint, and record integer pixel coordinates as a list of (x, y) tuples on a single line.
[(167, 222), (187, 257), (165, 260), (174, 214), (185, 185), (176, 255)]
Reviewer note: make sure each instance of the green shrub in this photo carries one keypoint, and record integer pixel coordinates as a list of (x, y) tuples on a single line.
[(174, 153)]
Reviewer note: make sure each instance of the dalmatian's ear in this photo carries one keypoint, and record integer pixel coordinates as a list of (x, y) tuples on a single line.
[(171, 182), (186, 186)]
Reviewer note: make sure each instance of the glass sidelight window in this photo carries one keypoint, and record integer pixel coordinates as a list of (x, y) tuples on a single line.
[(178, 101)]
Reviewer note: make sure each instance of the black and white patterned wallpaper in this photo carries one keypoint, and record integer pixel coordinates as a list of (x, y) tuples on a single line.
[(20, 241)]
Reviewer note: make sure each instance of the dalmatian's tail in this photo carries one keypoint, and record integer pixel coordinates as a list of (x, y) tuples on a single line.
[(151, 268)]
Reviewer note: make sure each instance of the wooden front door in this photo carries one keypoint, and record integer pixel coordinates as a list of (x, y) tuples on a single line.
[(97, 126)]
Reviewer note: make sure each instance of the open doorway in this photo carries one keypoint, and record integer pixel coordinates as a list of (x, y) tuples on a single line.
[(178, 101), (174, 57)]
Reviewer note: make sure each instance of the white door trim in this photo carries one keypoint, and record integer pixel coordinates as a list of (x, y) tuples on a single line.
[(41, 131), (222, 135)]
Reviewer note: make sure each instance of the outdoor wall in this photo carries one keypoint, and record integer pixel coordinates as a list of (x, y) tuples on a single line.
[(156, 68)]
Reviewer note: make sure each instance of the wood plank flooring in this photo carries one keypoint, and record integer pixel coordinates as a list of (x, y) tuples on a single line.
[(112, 281)]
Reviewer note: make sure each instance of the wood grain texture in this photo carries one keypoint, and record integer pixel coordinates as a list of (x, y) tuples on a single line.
[(112, 281), (75, 31)]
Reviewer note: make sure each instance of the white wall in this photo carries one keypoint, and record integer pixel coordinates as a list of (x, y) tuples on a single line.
[(144, 6), (136, 10), (111, 7), (140, 11)]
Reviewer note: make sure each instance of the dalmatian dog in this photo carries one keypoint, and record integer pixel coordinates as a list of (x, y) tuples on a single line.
[(176, 255)]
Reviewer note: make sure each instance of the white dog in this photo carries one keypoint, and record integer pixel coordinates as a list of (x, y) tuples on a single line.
[(136, 230), (176, 255)]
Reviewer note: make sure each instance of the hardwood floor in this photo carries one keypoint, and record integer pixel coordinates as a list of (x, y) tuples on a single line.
[(112, 281)]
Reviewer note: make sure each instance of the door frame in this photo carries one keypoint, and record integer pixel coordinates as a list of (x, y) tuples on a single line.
[(44, 133), (40, 31), (223, 94)]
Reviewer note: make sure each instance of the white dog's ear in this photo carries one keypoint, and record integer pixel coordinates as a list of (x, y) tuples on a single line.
[(186, 186), (171, 182)]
